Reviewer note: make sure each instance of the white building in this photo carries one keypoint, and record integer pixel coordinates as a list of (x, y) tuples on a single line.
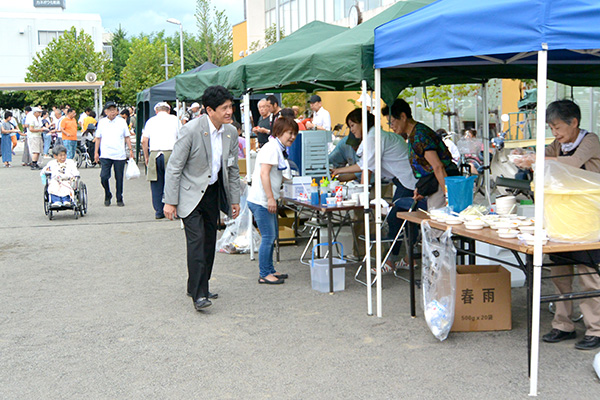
[(27, 26)]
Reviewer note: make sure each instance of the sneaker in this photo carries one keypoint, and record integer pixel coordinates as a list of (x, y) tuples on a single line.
[(120, 203), (385, 269), (402, 265)]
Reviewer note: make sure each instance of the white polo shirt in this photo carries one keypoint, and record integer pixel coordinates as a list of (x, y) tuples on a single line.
[(394, 158), (162, 131), (112, 135), (322, 118)]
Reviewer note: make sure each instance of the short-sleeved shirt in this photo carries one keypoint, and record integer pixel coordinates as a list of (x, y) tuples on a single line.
[(33, 122), (69, 125), (422, 139), (7, 126), (112, 134), (268, 154), (88, 120), (161, 130), (263, 123)]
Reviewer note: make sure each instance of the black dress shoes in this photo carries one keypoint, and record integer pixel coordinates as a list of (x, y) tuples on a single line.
[(556, 335), (588, 343), (201, 303), (210, 295)]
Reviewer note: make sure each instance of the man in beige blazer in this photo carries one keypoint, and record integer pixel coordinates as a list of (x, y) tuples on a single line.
[(202, 177)]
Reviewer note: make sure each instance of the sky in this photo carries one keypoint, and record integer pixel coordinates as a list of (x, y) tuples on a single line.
[(137, 16)]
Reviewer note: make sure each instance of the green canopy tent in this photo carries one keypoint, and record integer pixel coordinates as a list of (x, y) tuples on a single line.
[(336, 63), (234, 76)]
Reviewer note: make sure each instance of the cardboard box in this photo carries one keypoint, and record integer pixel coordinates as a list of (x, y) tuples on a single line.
[(483, 299), (286, 232)]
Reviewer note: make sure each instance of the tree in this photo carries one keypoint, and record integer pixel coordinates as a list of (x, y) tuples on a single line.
[(214, 34), (270, 38), (121, 48), (143, 68), (69, 58)]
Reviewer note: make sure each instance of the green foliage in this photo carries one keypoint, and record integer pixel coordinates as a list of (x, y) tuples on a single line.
[(11, 99), (215, 37), (295, 99), (67, 59), (121, 48), (143, 68), (270, 38)]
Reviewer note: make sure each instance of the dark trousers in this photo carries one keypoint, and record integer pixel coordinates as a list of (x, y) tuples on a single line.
[(201, 240), (157, 187), (402, 202), (119, 167)]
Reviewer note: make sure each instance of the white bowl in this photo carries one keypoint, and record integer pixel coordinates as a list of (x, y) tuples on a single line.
[(526, 222), (527, 229), (505, 225), (508, 233), (473, 227), (348, 203), (453, 221), (530, 242)]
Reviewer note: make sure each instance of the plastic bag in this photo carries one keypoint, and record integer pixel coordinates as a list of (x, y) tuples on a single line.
[(597, 364), (235, 238), (571, 203), (132, 172), (439, 280)]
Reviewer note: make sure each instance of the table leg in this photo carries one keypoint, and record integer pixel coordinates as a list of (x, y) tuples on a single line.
[(529, 277), (330, 247), (411, 263)]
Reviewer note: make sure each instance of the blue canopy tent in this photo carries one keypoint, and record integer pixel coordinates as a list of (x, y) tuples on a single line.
[(539, 39)]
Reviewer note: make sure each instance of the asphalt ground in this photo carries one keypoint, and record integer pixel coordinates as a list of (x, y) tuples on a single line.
[(96, 308)]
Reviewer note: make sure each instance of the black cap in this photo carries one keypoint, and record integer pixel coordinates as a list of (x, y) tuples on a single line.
[(314, 98), (110, 104)]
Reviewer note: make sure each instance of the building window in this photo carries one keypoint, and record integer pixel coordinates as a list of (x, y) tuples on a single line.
[(45, 37), (108, 50)]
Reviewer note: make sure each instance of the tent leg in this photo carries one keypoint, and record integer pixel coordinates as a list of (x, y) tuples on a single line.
[(539, 202), (247, 129), (486, 144), (378, 222), (365, 177)]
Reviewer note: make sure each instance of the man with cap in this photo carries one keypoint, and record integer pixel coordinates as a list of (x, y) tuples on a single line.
[(33, 123), (158, 137), (112, 137), (192, 113), (321, 119)]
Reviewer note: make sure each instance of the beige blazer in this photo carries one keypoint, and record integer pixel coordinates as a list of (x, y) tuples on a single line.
[(189, 168)]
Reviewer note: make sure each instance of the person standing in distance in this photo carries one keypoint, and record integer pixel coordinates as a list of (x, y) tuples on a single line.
[(158, 138), (203, 172), (112, 137)]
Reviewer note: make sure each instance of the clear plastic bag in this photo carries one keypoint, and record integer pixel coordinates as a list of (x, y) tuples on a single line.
[(571, 203), (235, 238), (439, 280)]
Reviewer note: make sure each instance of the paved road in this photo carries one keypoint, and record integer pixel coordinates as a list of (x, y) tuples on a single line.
[(96, 308)]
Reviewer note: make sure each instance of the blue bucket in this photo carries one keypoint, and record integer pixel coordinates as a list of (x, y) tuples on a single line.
[(460, 191)]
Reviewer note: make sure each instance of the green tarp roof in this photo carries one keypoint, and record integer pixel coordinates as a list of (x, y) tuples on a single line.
[(336, 63), (234, 76)]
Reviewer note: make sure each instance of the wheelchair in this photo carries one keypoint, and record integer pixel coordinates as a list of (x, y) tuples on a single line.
[(78, 206)]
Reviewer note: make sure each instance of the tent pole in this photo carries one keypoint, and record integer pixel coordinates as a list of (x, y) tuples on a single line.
[(247, 128), (539, 216), (365, 179), (486, 143), (377, 110)]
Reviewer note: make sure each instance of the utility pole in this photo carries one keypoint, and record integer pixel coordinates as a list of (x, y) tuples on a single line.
[(166, 64)]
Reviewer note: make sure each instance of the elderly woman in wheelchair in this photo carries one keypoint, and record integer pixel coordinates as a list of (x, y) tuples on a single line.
[(63, 177)]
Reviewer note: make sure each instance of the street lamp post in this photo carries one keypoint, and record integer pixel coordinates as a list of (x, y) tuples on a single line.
[(177, 22)]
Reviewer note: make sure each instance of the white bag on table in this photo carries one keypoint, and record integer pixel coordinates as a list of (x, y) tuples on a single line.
[(132, 172)]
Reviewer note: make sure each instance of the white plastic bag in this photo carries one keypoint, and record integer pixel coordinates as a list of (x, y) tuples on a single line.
[(132, 172), (439, 280), (597, 364), (235, 238)]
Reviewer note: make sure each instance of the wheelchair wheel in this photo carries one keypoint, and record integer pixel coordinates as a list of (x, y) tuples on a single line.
[(46, 201), (50, 216), (78, 158), (83, 198)]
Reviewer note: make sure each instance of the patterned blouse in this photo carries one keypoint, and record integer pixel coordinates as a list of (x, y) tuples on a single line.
[(422, 139)]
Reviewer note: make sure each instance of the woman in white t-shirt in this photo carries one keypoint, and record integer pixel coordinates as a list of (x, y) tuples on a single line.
[(264, 192)]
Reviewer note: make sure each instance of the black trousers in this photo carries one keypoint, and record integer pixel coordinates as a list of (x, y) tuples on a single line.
[(119, 167), (201, 240)]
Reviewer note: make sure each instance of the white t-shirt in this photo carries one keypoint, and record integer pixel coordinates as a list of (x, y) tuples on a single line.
[(161, 130), (33, 122), (113, 134), (394, 157), (81, 118), (268, 154), (322, 118)]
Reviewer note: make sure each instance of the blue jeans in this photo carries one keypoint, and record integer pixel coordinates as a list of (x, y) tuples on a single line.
[(157, 187), (71, 145), (267, 224), (402, 202), (47, 140)]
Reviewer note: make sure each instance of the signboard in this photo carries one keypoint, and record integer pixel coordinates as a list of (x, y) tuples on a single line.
[(49, 3)]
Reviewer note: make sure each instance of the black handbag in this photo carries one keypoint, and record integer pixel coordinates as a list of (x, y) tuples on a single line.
[(428, 184)]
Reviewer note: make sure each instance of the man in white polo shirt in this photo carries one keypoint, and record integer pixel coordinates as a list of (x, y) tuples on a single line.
[(112, 136), (158, 138), (321, 119)]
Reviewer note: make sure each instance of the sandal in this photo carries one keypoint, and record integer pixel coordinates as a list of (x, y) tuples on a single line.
[(385, 269), (280, 276), (268, 282)]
